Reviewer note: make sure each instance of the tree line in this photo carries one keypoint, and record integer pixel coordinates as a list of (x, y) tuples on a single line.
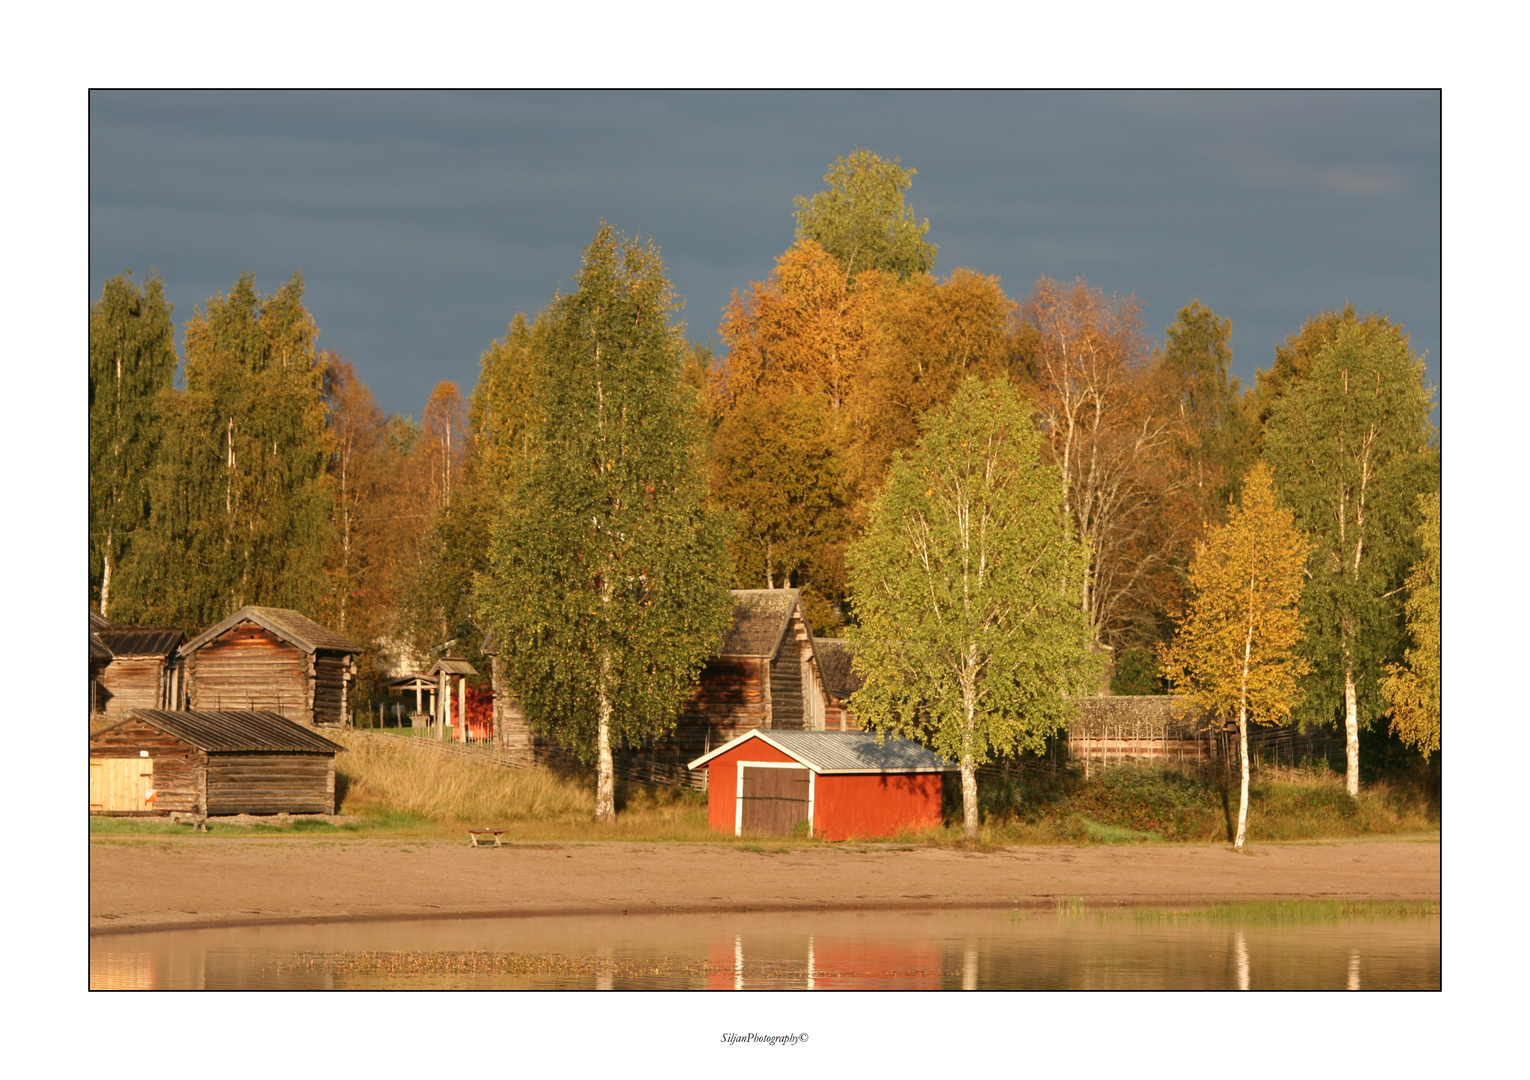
[(600, 447)]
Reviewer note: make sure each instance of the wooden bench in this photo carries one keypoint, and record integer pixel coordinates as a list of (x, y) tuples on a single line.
[(483, 837)]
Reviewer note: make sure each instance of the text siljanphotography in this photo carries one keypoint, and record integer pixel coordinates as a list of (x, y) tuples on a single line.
[(730, 1038)]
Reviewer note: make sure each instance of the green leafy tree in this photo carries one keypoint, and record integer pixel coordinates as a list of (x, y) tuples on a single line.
[(1351, 447), (1413, 687), (971, 639), (862, 221), (132, 360), (242, 501), (1235, 649), (608, 587)]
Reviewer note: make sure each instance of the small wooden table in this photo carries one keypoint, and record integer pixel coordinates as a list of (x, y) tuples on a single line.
[(482, 837)]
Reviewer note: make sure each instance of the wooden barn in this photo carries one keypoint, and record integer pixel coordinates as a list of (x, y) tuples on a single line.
[(141, 671), (766, 675), (838, 784), (236, 762), (274, 659)]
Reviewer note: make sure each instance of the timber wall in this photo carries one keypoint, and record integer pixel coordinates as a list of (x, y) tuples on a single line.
[(250, 668), (271, 784), (179, 768), (131, 683)]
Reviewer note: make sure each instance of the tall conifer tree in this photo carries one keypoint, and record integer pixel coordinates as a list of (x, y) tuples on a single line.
[(132, 360), (608, 586)]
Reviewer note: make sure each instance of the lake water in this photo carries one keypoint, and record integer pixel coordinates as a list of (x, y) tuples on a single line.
[(935, 950)]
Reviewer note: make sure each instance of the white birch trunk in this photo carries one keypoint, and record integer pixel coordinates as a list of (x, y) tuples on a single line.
[(106, 576), (1243, 787), (969, 797), (1351, 734), (605, 767)]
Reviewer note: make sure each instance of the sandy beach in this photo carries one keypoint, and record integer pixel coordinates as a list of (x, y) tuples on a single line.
[(158, 883)]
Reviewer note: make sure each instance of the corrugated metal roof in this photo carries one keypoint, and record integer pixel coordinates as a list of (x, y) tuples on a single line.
[(142, 640), (834, 655), (844, 752), (759, 621), (230, 730), (291, 626), (453, 666)]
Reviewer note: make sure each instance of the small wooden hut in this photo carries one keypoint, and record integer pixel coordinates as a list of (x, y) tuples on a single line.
[(275, 659), (840, 784), (142, 671), (227, 762)]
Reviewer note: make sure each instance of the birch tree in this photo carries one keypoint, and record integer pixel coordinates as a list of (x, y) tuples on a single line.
[(241, 499), (971, 639), (608, 581), (1234, 652), (862, 221), (1110, 437), (1351, 447), (132, 360)]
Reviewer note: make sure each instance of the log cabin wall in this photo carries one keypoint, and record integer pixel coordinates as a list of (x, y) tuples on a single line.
[(786, 712), (271, 783), (132, 683), (179, 768), (732, 698), (251, 668), (331, 685)]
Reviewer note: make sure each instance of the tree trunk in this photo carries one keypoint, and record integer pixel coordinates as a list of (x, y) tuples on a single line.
[(969, 798), (1243, 763), (106, 576), (605, 767), (1351, 734)]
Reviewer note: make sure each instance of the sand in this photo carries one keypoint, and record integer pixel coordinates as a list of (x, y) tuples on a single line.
[(160, 883)]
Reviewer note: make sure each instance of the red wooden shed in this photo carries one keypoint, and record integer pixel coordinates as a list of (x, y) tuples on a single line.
[(839, 784)]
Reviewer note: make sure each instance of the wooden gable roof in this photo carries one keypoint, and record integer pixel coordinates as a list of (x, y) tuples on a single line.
[(760, 619), (1110, 713), (834, 657), (293, 627), (233, 730)]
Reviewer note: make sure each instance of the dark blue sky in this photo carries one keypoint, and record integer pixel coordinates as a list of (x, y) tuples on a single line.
[(423, 221)]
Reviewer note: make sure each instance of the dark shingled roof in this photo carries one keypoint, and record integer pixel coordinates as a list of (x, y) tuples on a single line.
[(834, 656), (227, 731), (831, 752), (142, 640), (291, 626), (1107, 712), (759, 621)]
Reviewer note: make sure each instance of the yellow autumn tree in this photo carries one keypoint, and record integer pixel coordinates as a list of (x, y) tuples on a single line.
[(1413, 688), (1234, 651)]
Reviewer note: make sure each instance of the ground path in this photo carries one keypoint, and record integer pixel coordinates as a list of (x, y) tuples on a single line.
[(143, 883)]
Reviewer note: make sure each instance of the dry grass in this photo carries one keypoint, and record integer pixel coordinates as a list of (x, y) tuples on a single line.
[(393, 781)]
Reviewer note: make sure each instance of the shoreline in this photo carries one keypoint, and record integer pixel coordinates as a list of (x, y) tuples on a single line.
[(150, 884)]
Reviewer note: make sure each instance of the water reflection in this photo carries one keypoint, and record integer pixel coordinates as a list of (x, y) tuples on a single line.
[(944, 950)]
